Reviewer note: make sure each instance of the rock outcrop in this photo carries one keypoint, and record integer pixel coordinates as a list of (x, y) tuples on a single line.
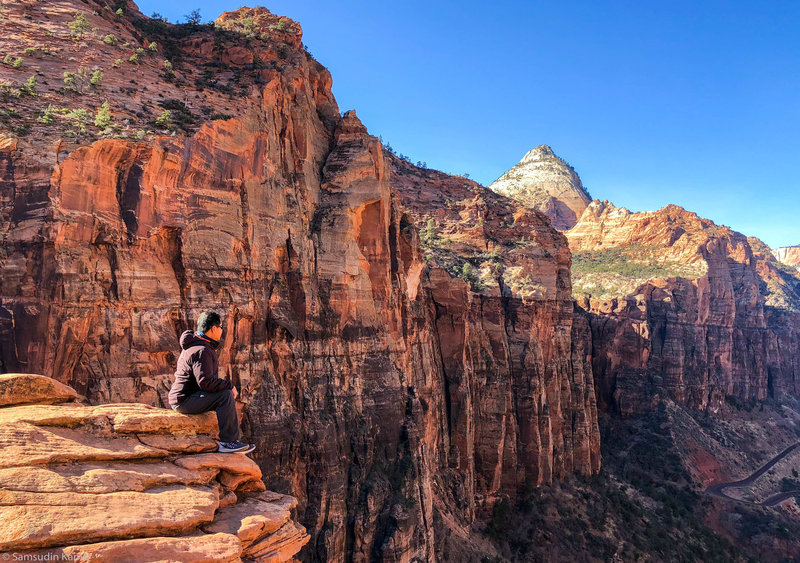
[(395, 401), (789, 255), (682, 308), (129, 482), (543, 181)]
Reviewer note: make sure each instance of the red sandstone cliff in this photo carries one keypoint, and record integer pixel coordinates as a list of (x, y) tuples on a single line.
[(683, 308), (394, 400)]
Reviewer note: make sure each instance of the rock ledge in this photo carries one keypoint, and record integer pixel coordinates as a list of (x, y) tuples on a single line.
[(129, 482)]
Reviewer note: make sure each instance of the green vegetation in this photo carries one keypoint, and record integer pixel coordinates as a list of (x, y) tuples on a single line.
[(759, 522), (18, 62), (782, 290), (103, 117), (78, 118), (165, 119), (79, 26), (621, 260), (30, 51), (119, 11), (282, 25), (153, 47), (501, 519), (168, 74), (77, 81), (740, 404), (97, 77), (244, 26), (789, 485), (179, 114), (117, 63), (429, 235), (134, 59), (49, 115), (8, 90), (9, 117), (110, 39), (30, 86), (8, 59), (618, 271), (468, 275)]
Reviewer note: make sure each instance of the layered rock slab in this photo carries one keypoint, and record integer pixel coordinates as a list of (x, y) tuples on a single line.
[(116, 503)]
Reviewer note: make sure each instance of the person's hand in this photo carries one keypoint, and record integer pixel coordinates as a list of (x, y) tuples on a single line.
[(235, 392)]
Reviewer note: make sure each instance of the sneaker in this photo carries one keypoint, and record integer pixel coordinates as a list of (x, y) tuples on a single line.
[(235, 447)]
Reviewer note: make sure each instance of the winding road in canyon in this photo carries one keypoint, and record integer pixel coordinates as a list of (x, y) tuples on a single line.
[(718, 489)]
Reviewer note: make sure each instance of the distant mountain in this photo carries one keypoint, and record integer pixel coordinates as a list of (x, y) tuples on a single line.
[(547, 183), (789, 255), (673, 297)]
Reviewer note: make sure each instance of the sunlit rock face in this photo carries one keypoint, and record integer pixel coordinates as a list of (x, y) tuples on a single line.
[(789, 255), (543, 181), (682, 308), (395, 400), (129, 481)]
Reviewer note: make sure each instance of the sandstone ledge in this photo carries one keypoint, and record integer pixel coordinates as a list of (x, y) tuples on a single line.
[(129, 482)]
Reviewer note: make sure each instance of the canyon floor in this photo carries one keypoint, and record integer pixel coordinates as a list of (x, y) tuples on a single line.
[(650, 501)]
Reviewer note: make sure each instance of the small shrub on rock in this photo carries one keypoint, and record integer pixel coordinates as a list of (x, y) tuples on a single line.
[(79, 26), (49, 115), (103, 117), (30, 86)]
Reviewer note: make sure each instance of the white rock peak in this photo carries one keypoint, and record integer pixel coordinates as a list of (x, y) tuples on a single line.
[(545, 182)]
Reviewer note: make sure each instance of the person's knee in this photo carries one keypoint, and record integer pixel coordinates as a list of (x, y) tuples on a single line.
[(226, 397)]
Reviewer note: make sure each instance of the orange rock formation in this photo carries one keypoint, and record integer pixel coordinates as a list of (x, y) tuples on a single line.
[(689, 310), (395, 401), (128, 481)]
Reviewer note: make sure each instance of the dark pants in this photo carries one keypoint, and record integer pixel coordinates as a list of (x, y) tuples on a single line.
[(223, 403)]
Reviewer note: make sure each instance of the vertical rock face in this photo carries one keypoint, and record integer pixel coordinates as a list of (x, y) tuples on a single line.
[(789, 255), (392, 399), (685, 309), (543, 181), (520, 403)]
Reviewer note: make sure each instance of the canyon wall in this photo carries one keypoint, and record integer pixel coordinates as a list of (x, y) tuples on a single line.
[(789, 255), (396, 401), (690, 310)]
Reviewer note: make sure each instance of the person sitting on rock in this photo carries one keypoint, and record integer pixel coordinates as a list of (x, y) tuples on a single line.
[(198, 388)]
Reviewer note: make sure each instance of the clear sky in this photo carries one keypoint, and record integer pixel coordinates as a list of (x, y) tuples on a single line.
[(685, 102)]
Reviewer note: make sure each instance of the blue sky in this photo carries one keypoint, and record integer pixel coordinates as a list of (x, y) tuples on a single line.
[(693, 103)]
